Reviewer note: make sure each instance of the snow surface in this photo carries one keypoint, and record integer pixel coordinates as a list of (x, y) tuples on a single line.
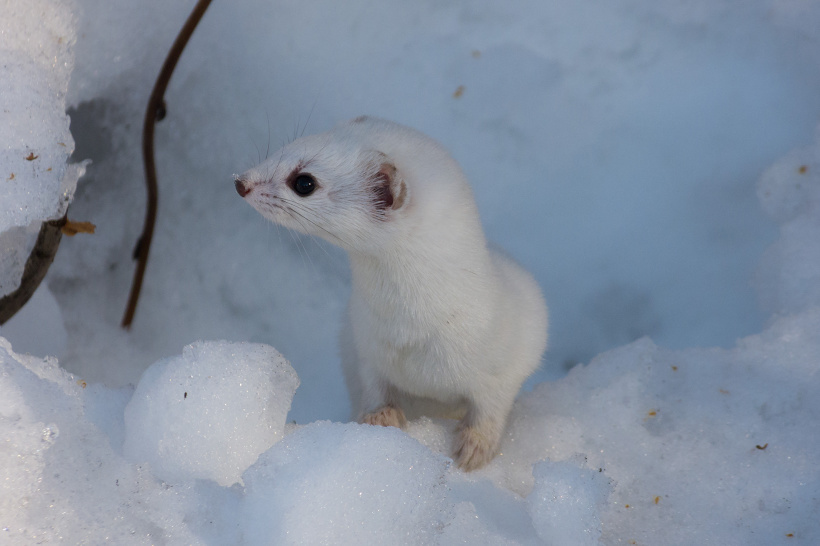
[(174, 426), (655, 164), (36, 40)]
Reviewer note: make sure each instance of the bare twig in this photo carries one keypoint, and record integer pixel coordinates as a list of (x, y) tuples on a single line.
[(48, 240), (155, 112)]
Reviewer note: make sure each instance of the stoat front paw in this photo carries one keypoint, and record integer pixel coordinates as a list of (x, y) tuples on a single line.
[(386, 416), (473, 449)]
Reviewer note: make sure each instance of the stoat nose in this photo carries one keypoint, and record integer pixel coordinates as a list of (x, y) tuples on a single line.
[(242, 188)]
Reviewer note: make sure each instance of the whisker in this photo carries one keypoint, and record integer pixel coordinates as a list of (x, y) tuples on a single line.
[(308, 118), (267, 151), (290, 209), (302, 250)]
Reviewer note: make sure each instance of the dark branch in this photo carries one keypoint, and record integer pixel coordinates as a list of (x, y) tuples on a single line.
[(154, 112), (48, 240)]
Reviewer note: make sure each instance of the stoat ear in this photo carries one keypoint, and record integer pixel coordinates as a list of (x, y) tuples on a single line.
[(389, 188)]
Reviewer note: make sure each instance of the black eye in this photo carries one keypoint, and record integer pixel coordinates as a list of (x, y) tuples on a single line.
[(304, 184)]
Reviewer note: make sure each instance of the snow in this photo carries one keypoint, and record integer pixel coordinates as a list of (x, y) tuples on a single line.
[(656, 165), (566, 500), (178, 415), (332, 483), (36, 40), (788, 278)]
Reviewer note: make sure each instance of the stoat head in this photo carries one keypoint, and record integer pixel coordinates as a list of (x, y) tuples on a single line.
[(332, 185)]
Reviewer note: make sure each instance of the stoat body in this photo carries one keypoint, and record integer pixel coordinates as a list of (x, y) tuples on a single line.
[(434, 314)]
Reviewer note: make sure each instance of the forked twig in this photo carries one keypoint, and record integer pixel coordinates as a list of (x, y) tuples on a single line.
[(154, 113)]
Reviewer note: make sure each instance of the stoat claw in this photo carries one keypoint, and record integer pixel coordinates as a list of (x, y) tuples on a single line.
[(473, 449), (386, 416)]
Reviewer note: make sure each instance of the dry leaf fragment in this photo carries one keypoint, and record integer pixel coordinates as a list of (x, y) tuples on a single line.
[(458, 92), (11, 177), (803, 169), (764, 446), (31, 157), (73, 228)]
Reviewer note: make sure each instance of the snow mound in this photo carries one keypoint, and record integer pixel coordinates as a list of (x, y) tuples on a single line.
[(329, 483), (687, 436), (211, 412), (643, 444), (60, 480)]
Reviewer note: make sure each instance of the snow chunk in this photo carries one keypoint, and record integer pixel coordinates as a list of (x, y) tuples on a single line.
[(36, 183), (210, 412), (566, 502), (60, 481), (37, 58), (345, 484)]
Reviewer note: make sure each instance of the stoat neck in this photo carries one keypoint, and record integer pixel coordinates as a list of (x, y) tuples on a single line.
[(424, 280)]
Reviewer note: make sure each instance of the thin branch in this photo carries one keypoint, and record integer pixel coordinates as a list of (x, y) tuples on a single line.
[(154, 113), (40, 259)]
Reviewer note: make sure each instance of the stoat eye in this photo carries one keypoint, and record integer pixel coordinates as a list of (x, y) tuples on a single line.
[(304, 185)]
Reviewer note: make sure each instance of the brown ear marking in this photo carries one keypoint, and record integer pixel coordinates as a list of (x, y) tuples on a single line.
[(390, 192)]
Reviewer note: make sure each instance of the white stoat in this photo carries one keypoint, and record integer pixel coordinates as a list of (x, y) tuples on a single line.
[(434, 314)]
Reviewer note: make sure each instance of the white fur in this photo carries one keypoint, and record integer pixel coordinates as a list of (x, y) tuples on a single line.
[(434, 314)]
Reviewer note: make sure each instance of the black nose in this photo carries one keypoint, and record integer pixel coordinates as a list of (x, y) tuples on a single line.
[(242, 188)]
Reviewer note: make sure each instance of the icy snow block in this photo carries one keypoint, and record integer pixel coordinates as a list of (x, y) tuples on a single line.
[(566, 502), (36, 183), (331, 483), (36, 41), (209, 413)]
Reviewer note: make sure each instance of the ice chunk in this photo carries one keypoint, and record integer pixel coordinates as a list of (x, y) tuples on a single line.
[(345, 484), (566, 502), (210, 412), (37, 58), (36, 183)]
